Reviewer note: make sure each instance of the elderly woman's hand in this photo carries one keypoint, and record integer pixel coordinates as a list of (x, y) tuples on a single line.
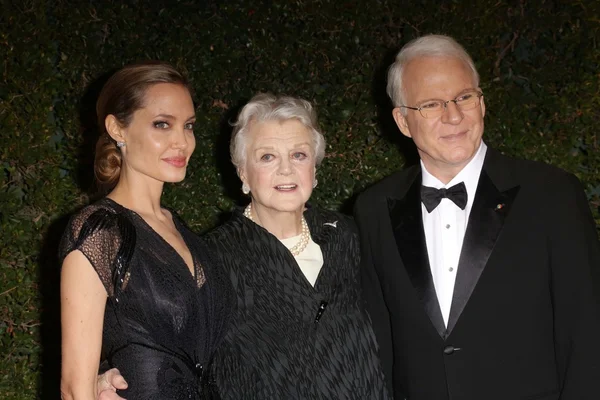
[(108, 384)]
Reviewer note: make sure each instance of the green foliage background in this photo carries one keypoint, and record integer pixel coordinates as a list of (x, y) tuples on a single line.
[(538, 62)]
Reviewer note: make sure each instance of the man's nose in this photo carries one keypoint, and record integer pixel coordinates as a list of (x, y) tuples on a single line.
[(452, 114)]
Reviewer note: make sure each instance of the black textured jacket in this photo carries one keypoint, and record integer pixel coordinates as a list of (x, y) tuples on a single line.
[(288, 339)]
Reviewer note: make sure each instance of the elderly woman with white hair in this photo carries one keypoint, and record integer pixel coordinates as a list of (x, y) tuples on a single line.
[(300, 330)]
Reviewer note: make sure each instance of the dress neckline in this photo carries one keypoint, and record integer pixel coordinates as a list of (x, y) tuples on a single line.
[(194, 274)]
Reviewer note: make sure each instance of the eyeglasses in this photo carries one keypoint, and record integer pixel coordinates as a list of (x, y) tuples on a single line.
[(435, 108)]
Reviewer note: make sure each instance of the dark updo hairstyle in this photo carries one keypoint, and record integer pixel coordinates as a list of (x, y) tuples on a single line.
[(122, 95)]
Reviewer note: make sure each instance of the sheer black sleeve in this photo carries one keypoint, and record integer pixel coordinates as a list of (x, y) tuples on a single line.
[(106, 239)]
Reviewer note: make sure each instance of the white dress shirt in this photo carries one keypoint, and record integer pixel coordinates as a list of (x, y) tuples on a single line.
[(445, 229), (310, 260)]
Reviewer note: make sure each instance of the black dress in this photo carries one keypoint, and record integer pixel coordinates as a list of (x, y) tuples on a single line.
[(289, 339), (161, 324)]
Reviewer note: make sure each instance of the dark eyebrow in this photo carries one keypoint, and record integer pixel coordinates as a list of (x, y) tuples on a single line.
[(169, 116)]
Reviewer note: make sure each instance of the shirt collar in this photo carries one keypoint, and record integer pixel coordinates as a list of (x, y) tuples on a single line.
[(469, 174)]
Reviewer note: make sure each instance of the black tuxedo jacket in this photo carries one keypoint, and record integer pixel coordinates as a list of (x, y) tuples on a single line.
[(524, 321)]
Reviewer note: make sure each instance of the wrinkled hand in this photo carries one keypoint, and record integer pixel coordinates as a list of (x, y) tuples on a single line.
[(108, 383)]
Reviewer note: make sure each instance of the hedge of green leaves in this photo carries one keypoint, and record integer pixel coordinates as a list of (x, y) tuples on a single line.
[(538, 61)]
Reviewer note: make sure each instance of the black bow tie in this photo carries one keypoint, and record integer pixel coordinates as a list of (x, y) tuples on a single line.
[(431, 197)]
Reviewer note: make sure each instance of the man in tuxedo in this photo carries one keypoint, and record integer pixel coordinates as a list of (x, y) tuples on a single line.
[(481, 272)]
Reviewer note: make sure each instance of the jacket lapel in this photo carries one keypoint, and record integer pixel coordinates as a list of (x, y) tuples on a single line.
[(407, 223), (490, 209)]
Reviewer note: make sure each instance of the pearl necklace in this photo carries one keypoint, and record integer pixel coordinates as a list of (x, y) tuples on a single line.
[(304, 233)]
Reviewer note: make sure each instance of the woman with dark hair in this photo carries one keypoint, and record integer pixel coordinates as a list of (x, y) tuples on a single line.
[(138, 289)]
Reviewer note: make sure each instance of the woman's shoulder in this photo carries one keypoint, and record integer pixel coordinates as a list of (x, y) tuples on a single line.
[(103, 233), (232, 227), (100, 215), (97, 223)]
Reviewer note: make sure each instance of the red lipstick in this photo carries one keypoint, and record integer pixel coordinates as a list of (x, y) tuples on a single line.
[(178, 162)]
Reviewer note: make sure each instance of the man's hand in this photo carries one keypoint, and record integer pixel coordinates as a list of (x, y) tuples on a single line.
[(108, 383)]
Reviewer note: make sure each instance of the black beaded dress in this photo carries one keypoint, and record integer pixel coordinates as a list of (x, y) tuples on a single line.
[(161, 324)]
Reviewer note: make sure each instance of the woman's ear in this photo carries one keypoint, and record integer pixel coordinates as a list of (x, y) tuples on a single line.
[(113, 128), (241, 174)]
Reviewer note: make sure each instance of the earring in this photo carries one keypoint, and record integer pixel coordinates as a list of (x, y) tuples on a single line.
[(245, 188), (315, 182), (120, 144)]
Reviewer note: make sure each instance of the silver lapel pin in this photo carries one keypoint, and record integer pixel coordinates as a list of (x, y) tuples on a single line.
[(334, 224)]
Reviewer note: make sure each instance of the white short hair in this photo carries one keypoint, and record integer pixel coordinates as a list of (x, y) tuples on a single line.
[(425, 46), (268, 107)]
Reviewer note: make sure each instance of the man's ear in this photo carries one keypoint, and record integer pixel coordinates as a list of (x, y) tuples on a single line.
[(401, 121), (113, 128), (482, 105)]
